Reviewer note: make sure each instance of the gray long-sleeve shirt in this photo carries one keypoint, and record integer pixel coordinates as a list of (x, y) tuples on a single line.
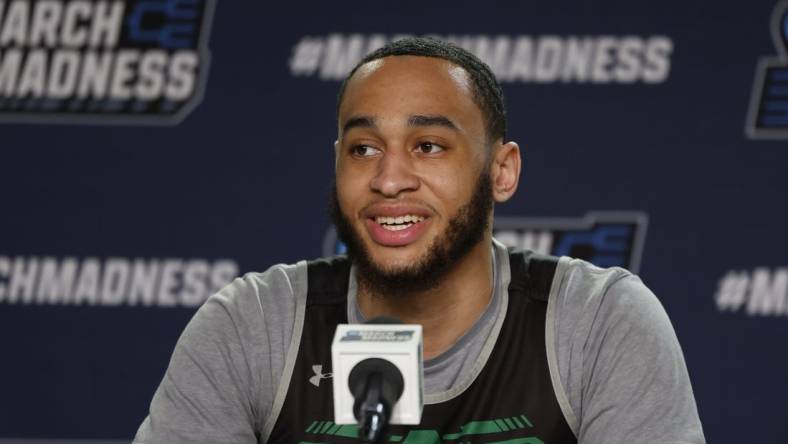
[(617, 368)]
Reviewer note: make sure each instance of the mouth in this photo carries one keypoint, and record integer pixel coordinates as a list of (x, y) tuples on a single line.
[(399, 223), (397, 231)]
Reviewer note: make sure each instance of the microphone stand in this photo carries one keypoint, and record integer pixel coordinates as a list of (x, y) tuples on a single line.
[(373, 411), (376, 385)]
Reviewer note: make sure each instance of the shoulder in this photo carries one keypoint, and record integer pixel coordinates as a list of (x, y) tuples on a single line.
[(597, 308), (250, 320), (609, 311), (586, 296), (618, 357), (276, 283), (253, 312), (255, 296), (577, 296), (226, 366)]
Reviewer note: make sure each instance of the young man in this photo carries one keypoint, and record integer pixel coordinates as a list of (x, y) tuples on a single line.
[(518, 347)]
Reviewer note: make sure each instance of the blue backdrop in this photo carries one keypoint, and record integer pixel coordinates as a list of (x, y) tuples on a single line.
[(152, 150)]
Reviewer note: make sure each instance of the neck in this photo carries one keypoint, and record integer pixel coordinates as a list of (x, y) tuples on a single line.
[(445, 312)]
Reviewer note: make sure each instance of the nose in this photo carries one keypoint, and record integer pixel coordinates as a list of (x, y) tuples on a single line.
[(395, 175)]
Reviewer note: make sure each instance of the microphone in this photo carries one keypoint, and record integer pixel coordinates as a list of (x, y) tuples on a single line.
[(377, 386), (378, 373)]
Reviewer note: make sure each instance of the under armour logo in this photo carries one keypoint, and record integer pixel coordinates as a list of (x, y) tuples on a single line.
[(315, 380)]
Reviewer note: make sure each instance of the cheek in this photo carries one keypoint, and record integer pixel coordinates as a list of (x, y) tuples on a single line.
[(345, 194), (349, 171), (350, 190), (452, 188)]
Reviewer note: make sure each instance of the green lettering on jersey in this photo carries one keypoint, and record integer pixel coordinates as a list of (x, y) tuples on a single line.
[(471, 428), (490, 426)]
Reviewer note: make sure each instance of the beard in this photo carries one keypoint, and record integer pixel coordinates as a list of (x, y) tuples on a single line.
[(465, 230)]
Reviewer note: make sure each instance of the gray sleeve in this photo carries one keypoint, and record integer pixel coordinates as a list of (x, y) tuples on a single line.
[(224, 372), (620, 361)]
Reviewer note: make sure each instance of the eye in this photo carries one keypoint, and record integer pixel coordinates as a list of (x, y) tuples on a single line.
[(364, 151), (430, 148)]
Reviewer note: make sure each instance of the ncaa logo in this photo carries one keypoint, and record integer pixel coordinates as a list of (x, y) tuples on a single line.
[(768, 114), (140, 62), (606, 239)]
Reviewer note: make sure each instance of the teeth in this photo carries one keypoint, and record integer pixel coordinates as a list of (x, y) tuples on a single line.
[(409, 220), (396, 227)]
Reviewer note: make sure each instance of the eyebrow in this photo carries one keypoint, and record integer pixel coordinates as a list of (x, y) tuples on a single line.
[(417, 120), (358, 122), (438, 120)]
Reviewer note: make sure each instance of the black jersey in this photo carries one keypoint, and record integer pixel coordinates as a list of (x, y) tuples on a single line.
[(511, 401)]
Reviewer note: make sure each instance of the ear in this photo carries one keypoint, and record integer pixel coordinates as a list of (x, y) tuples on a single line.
[(505, 171), (336, 154)]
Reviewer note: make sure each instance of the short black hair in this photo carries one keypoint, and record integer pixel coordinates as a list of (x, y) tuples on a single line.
[(487, 91)]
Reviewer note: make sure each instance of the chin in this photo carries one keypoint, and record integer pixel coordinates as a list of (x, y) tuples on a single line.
[(394, 259), (393, 267)]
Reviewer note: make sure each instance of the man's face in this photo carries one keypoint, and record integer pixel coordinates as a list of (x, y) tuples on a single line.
[(412, 188)]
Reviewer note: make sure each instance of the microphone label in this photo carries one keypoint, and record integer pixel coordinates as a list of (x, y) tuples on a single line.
[(377, 336)]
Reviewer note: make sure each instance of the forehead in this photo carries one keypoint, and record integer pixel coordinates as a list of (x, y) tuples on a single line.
[(411, 85)]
